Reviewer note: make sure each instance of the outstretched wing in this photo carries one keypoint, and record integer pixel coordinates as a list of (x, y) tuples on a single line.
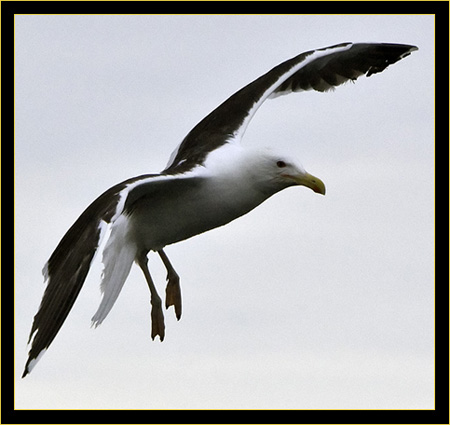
[(68, 266), (321, 70)]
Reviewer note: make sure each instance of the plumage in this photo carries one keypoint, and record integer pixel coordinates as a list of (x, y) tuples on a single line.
[(210, 180)]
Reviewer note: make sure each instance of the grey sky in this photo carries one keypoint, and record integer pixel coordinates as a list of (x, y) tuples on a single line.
[(306, 302)]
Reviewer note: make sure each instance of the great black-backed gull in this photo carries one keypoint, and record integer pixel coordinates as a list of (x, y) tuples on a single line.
[(209, 181)]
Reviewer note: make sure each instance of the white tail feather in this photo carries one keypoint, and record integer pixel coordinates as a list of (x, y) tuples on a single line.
[(118, 256)]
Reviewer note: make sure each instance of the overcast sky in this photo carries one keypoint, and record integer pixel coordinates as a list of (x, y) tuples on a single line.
[(307, 301)]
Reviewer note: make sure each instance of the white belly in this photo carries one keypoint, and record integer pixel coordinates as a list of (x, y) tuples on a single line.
[(161, 219)]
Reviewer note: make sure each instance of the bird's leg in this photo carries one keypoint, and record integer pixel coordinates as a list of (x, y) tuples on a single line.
[(157, 313), (173, 290)]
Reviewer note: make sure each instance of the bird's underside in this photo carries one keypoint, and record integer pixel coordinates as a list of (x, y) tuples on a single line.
[(196, 192)]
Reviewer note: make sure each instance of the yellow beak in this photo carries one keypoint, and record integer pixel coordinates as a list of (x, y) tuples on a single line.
[(310, 181)]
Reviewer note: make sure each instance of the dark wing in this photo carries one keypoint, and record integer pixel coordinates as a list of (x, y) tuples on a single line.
[(320, 70), (67, 268), (329, 71)]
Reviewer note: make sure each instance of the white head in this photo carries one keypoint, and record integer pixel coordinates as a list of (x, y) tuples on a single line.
[(268, 170)]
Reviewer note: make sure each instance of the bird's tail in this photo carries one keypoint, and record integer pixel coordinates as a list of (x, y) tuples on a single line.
[(118, 257)]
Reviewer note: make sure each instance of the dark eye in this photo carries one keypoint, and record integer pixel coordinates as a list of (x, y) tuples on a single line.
[(281, 164)]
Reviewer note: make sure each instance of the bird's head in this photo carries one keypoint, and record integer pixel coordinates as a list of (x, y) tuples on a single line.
[(278, 171), (263, 169)]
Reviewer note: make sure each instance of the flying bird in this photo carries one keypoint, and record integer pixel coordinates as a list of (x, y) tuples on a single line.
[(210, 180)]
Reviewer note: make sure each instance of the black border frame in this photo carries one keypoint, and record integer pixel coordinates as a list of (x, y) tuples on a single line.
[(440, 415)]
